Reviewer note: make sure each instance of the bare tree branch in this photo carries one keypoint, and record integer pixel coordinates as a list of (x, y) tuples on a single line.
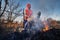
[(12, 9), (6, 2), (0, 5), (15, 7)]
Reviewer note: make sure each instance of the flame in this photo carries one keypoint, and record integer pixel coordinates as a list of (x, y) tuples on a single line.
[(46, 27)]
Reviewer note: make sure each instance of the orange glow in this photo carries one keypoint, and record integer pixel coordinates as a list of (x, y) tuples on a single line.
[(46, 27)]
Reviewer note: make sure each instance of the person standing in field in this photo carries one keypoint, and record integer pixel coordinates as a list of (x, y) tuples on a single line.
[(27, 14)]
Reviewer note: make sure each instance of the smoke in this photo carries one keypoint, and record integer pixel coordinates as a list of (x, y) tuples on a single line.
[(37, 25), (47, 6)]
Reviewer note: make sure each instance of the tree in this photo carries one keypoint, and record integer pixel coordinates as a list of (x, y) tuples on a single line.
[(11, 9), (14, 9), (6, 2)]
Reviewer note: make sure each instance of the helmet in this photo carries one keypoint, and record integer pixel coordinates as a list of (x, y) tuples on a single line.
[(28, 5)]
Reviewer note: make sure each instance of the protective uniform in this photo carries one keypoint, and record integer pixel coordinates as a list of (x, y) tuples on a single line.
[(27, 14)]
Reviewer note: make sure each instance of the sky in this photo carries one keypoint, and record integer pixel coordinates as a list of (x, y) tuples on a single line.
[(48, 8)]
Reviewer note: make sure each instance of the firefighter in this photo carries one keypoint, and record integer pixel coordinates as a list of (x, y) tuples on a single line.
[(27, 14)]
